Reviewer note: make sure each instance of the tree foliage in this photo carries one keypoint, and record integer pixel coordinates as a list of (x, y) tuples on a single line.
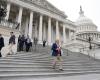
[(3, 3), (2, 8)]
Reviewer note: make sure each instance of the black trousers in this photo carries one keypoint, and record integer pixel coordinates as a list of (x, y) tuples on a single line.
[(27, 47), (43, 44), (21, 47), (0, 51)]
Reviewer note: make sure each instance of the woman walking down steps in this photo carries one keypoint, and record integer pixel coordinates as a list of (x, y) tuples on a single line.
[(56, 53)]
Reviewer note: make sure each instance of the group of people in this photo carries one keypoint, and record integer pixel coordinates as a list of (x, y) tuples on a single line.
[(11, 43), (24, 42), (27, 43)]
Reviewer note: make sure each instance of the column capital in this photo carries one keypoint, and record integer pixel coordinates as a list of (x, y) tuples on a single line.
[(31, 12)]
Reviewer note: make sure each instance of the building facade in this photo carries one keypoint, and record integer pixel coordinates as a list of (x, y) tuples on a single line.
[(85, 30), (39, 18)]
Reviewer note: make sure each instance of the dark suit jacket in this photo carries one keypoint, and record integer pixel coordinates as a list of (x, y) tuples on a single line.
[(1, 42), (54, 51), (12, 40)]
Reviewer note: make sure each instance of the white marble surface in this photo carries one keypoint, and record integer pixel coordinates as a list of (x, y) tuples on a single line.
[(79, 77)]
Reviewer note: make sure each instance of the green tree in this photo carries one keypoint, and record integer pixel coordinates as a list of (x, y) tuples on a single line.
[(2, 9)]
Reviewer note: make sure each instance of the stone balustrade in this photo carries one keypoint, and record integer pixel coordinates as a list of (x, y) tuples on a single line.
[(9, 24)]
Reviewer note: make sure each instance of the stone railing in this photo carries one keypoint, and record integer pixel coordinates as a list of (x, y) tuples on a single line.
[(9, 24)]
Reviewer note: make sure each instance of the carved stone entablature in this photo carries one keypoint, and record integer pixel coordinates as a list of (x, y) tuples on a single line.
[(46, 5)]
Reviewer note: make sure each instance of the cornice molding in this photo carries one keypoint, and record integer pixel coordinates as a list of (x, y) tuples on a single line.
[(45, 5)]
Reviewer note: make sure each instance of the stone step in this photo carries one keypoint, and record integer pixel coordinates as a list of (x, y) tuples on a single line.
[(10, 69), (46, 58), (47, 65), (46, 71), (31, 77), (45, 62), (43, 74), (42, 55), (29, 53), (39, 64)]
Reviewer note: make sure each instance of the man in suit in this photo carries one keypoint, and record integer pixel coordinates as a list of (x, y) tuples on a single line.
[(12, 41), (28, 43), (44, 43), (12, 38), (1, 43)]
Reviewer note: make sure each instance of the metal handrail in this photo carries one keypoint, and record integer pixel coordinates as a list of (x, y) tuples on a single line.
[(87, 49)]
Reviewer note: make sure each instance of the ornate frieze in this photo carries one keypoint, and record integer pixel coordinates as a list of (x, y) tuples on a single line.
[(46, 5)]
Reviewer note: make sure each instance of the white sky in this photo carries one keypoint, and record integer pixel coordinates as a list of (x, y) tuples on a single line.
[(71, 8)]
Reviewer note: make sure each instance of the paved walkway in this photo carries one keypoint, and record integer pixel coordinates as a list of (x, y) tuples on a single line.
[(80, 77)]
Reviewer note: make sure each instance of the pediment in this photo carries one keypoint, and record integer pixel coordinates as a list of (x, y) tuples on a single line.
[(45, 4)]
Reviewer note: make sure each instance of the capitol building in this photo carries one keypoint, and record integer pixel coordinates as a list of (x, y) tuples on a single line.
[(39, 18)]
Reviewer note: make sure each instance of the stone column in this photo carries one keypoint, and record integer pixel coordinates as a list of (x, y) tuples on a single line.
[(8, 11), (44, 31), (69, 34), (98, 35), (31, 24), (26, 27), (36, 25), (20, 17), (40, 28), (64, 34), (49, 30), (57, 30)]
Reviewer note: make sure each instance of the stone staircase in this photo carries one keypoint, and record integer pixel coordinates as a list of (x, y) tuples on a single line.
[(37, 64)]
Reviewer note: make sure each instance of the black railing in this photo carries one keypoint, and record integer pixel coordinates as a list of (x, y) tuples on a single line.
[(87, 49)]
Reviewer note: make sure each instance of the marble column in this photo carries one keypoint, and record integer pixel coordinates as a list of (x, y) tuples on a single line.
[(98, 36), (57, 30), (49, 31), (8, 11), (40, 28), (26, 27), (44, 31), (31, 24), (20, 17), (64, 34), (69, 34), (36, 25)]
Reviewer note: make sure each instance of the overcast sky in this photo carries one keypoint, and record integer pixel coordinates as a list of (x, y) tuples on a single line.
[(71, 8)]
